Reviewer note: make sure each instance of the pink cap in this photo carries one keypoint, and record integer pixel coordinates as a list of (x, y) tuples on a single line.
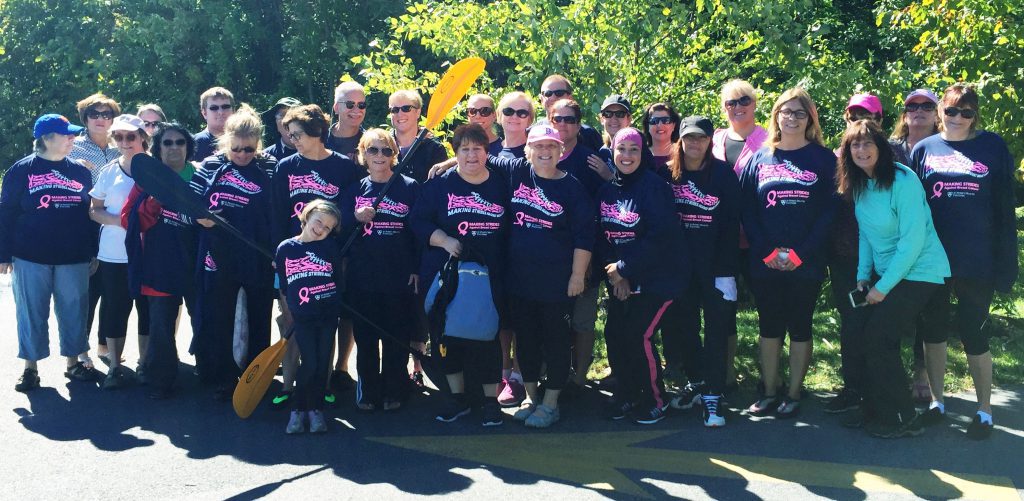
[(627, 134), (923, 93), (867, 101), (543, 133)]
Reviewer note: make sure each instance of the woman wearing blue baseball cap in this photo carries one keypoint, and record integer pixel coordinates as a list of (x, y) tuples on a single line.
[(43, 192)]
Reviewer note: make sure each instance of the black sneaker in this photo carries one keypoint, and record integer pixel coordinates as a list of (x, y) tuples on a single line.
[(932, 417), (712, 418), (901, 427), (341, 381), (492, 415), (846, 400), (978, 430), (115, 379), (453, 409), (853, 419), (28, 381), (159, 393), (688, 397), (619, 410), (651, 416), (224, 392), (281, 401), (79, 372)]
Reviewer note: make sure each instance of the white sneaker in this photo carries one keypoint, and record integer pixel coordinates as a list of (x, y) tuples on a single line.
[(316, 422), (296, 423)]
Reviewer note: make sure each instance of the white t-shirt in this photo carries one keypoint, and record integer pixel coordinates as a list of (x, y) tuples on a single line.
[(113, 187)]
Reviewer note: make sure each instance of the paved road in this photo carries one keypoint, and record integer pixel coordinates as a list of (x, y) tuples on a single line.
[(72, 440)]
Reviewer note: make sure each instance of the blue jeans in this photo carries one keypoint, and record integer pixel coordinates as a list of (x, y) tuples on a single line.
[(33, 285)]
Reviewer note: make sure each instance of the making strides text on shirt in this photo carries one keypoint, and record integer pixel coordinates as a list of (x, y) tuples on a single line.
[(689, 194), (534, 198), (475, 204), (51, 181), (387, 207), (234, 180), (954, 165), (785, 173)]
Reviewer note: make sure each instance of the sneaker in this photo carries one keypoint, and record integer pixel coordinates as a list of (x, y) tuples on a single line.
[(513, 394), (979, 430), (853, 419), (525, 409), (417, 379), (281, 400), (296, 423), (543, 417), (115, 379), (159, 393), (712, 419), (672, 378), (688, 397), (79, 372), (317, 424), (619, 410), (653, 415), (898, 428), (788, 408), (846, 400), (330, 399), (28, 381), (763, 406), (140, 375), (341, 381), (932, 417), (492, 415), (224, 392), (452, 410)]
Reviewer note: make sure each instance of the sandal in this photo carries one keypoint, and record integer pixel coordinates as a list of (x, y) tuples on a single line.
[(79, 372), (789, 408), (763, 406), (543, 417)]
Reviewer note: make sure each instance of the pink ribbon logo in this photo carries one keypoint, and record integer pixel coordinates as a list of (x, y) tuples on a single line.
[(608, 236), (213, 199), (937, 189), (44, 202), (771, 199), (519, 218), (368, 229), (304, 295), (298, 209), (463, 228)]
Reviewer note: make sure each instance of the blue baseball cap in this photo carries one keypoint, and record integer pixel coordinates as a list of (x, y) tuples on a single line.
[(54, 123)]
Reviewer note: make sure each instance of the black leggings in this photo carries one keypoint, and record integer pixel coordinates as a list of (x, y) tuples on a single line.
[(315, 339), (680, 333), (382, 373), (162, 357), (214, 346), (116, 306), (843, 275), (785, 303), (543, 337), (480, 361), (974, 298), (634, 358)]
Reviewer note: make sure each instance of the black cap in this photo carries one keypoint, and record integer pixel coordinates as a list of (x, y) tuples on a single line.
[(618, 99), (284, 102), (696, 125)]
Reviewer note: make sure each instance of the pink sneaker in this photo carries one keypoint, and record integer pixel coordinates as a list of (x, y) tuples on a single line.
[(512, 394)]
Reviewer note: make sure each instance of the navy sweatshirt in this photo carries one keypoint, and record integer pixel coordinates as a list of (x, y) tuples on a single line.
[(345, 145), (707, 202), (44, 213), (475, 214), (384, 254), (788, 199), (576, 164), (969, 185), (163, 256), (641, 232), (513, 152), (299, 180), (427, 155), (551, 218), (495, 147), (242, 194), (309, 276), (279, 150), (205, 145)]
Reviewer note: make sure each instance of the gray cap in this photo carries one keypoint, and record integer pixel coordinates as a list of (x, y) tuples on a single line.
[(618, 99), (696, 124)]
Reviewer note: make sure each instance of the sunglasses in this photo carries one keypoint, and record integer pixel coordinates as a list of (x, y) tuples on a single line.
[(125, 137), (224, 107), (173, 142), (96, 115), (483, 111), (912, 107), (353, 104), (743, 101), (798, 114), (556, 93), (952, 111), (373, 150), (247, 149), (659, 120), (519, 113), (405, 108), (616, 114), (151, 124), (569, 120)]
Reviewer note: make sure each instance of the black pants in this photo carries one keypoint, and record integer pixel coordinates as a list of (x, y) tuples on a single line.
[(94, 299), (634, 358), (214, 356), (162, 357), (479, 361), (543, 337), (843, 275), (886, 391), (785, 304), (974, 298), (680, 333), (381, 363), (315, 339), (116, 306)]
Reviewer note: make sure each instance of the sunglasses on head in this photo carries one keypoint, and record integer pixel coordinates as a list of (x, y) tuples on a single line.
[(556, 93), (743, 101), (952, 111), (911, 107), (615, 113), (570, 120), (130, 137), (353, 104), (483, 111), (247, 149), (659, 120), (154, 123), (405, 108), (224, 107), (373, 150), (173, 142), (96, 115), (512, 111)]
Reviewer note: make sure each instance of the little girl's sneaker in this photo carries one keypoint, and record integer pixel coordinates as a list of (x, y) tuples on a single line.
[(317, 424), (296, 424)]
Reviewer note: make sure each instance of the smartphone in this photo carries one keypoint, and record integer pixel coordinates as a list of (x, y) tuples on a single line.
[(858, 298)]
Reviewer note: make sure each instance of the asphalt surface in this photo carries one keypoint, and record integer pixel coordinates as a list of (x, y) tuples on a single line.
[(73, 440)]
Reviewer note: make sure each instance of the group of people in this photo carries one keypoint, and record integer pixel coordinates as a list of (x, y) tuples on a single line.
[(673, 219)]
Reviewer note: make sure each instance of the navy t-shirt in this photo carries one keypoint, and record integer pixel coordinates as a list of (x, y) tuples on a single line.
[(279, 150), (345, 145), (384, 254), (969, 186), (513, 152), (707, 202), (205, 145), (309, 276), (788, 199), (495, 147), (299, 180), (427, 155), (576, 164)]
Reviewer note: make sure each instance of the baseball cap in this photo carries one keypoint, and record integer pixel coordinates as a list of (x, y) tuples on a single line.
[(923, 93), (696, 124), (867, 101), (54, 123), (127, 123), (618, 99), (542, 133)]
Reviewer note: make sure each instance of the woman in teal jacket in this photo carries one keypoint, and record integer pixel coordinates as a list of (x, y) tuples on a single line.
[(901, 264)]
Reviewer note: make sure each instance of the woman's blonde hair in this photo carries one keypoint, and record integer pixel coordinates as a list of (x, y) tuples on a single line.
[(736, 88), (813, 131), (507, 99), (375, 135), (409, 95), (244, 123)]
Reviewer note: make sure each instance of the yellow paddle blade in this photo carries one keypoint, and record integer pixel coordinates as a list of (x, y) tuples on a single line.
[(452, 88), (256, 379)]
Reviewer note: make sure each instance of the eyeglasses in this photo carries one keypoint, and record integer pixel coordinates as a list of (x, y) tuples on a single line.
[(659, 120), (912, 107), (353, 104), (797, 114), (294, 136), (96, 115), (556, 93), (151, 124), (568, 120), (247, 149), (512, 111), (482, 111), (128, 138), (952, 111), (373, 150), (173, 142), (743, 101), (405, 108), (222, 107), (616, 114)]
